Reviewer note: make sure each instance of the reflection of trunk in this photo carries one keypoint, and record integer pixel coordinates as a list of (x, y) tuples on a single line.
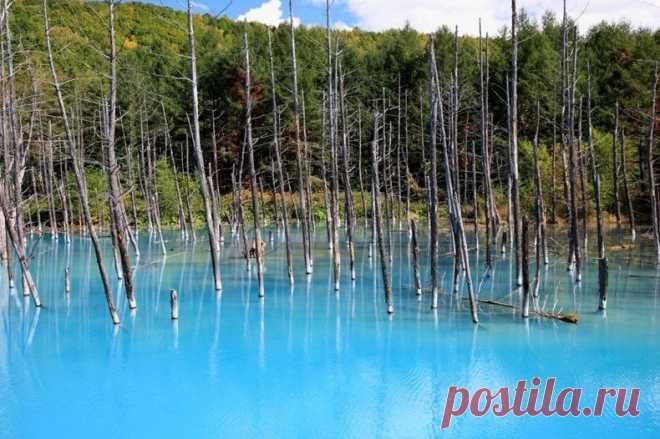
[(199, 157), (79, 174)]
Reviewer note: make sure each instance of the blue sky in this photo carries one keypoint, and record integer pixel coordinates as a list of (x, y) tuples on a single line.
[(310, 12), (428, 15)]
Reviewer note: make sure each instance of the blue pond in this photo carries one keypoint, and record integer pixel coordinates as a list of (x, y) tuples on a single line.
[(308, 362)]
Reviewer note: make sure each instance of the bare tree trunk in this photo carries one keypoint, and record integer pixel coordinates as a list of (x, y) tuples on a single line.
[(581, 163), (602, 259), (651, 167), (615, 166), (144, 177), (112, 168), (626, 191), (572, 172), (364, 202), (454, 208), (307, 250), (19, 248), (348, 194), (199, 157), (259, 256), (332, 127), (433, 206), (307, 169), (191, 218), (278, 157), (553, 193), (326, 197), (514, 141), (79, 173), (539, 216), (179, 199), (384, 257), (525, 268), (415, 256)]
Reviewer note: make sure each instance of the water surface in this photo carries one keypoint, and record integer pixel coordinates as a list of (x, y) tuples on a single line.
[(310, 362)]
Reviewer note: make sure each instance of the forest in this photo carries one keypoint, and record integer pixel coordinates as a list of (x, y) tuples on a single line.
[(121, 116)]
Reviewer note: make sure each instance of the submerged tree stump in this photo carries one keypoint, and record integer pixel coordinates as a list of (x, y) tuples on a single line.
[(67, 279), (174, 304), (415, 256), (603, 275), (525, 268)]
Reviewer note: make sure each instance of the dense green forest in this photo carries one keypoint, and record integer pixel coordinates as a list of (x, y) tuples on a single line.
[(380, 69)]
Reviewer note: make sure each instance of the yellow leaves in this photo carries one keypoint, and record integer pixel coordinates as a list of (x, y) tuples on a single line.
[(130, 44)]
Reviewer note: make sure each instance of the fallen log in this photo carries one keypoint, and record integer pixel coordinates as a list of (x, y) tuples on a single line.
[(568, 317)]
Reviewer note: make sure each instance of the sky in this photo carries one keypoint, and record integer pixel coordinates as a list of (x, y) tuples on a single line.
[(427, 15)]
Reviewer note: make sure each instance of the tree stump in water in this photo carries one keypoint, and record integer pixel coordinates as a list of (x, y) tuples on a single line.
[(174, 304), (525, 268), (603, 275), (67, 279)]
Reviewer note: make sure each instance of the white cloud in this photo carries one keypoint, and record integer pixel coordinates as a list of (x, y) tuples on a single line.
[(340, 25), (428, 15), (269, 13)]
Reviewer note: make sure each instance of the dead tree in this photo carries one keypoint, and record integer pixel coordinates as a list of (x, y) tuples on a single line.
[(514, 141), (651, 166), (538, 205), (581, 160), (112, 167), (307, 247), (524, 246), (199, 158), (18, 248), (626, 189), (348, 194), (382, 248), (602, 259), (615, 167), (278, 158), (433, 190), (359, 167), (332, 128), (415, 257), (78, 172), (453, 202), (258, 254)]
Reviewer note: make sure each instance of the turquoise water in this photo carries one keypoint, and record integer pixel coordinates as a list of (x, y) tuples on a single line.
[(308, 362)]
